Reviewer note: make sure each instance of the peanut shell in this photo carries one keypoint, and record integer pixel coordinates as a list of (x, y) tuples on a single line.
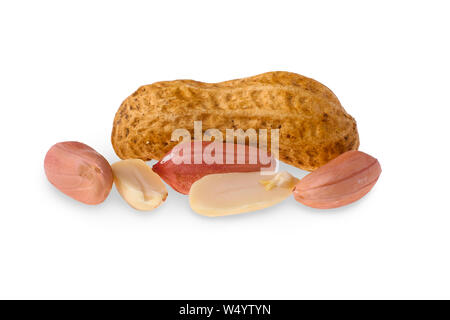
[(314, 127)]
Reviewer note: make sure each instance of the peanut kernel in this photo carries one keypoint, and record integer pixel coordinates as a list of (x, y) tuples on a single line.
[(138, 184), (232, 193)]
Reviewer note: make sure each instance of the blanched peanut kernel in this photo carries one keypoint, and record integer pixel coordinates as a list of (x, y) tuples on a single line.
[(282, 179), (138, 184), (232, 193)]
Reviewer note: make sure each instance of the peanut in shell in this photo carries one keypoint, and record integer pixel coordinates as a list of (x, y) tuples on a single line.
[(313, 126)]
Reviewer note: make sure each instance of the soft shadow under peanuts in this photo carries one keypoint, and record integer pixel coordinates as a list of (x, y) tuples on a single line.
[(344, 210), (241, 216), (64, 199)]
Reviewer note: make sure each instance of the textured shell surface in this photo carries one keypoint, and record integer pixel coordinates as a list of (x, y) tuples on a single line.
[(313, 126)]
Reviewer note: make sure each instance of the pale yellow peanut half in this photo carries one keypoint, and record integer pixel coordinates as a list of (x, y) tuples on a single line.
[(138, 184), (232, 193)]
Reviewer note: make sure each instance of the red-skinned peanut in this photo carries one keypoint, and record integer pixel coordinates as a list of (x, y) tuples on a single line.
[(190, 161), (341, 181), (79, 171)]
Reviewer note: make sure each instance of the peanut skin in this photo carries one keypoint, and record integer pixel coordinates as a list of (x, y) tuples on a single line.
[(180, 176), (79, 171), (340, 182), (314, 127)]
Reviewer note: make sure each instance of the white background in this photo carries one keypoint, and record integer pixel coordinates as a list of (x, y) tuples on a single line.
[(65, 68)]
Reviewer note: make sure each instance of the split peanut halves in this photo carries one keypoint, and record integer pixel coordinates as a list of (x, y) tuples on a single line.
[(232, 193), (138, 184)]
